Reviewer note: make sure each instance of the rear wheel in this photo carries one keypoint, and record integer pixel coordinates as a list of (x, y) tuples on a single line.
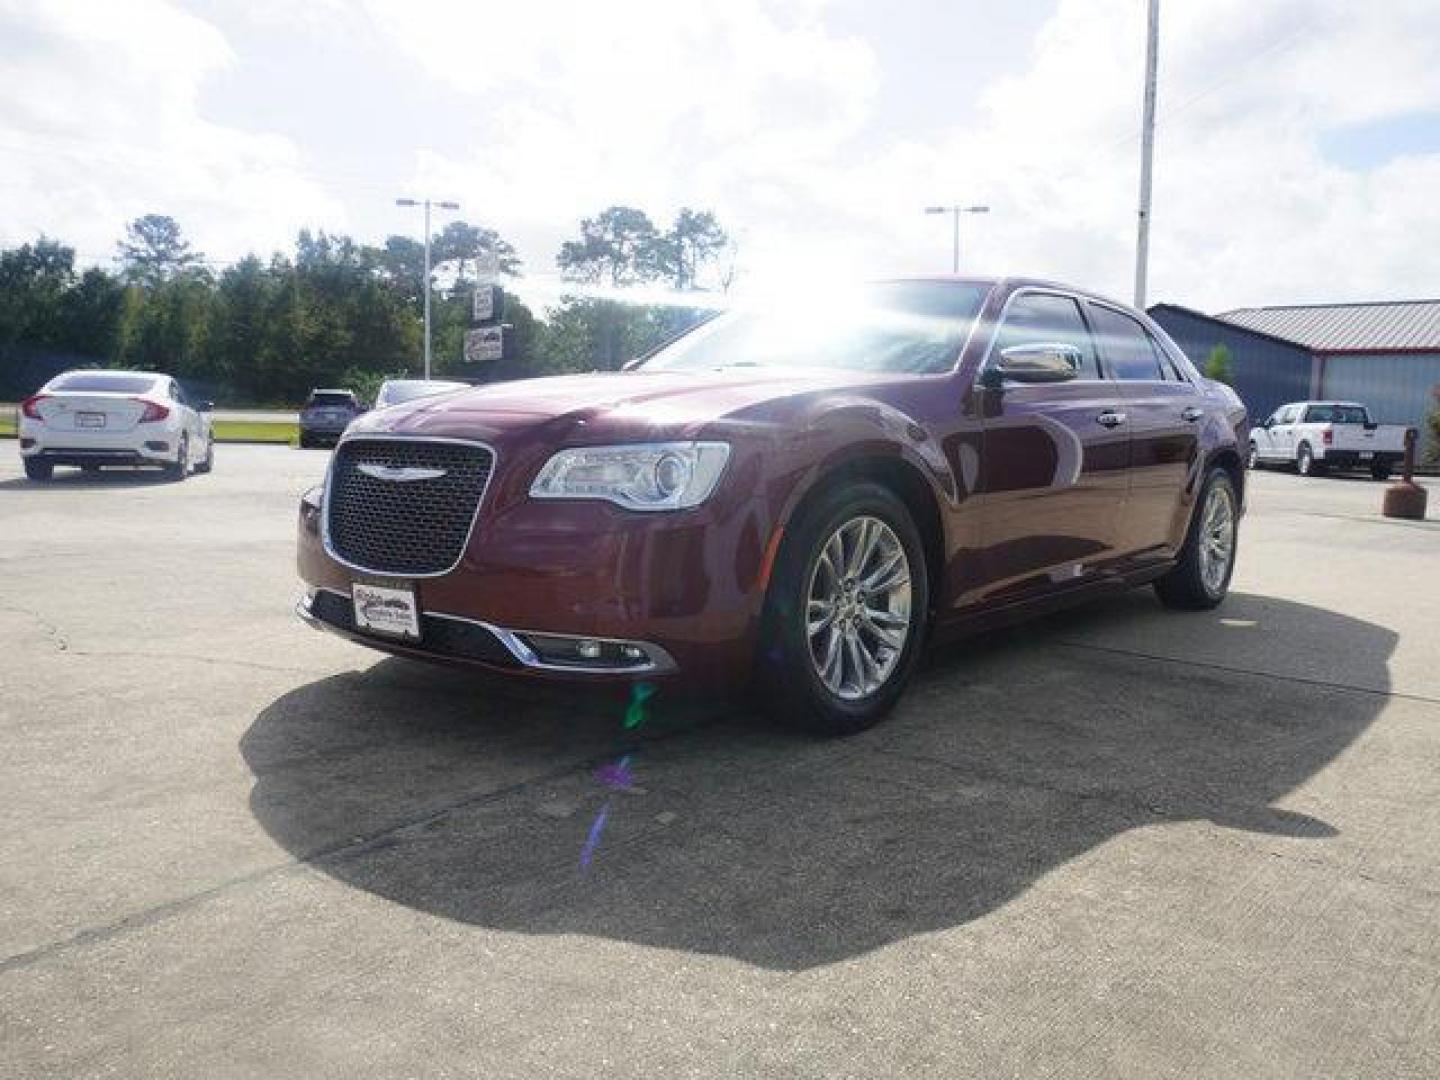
[(1201, 576), (35, 469), (1380, 470), (1305, 463), (178, 470), (846, 611)]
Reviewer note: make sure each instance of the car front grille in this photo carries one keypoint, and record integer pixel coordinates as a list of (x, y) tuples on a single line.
[(391, 524)]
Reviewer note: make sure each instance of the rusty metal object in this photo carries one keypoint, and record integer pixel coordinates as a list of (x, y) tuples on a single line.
[(1405, 498)]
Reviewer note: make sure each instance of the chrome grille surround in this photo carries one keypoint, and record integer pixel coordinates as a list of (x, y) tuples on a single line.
[(398, 528)]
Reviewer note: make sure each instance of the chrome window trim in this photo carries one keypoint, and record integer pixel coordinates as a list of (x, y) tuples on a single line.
[(1155, 339), (397, 437), (658, 661)]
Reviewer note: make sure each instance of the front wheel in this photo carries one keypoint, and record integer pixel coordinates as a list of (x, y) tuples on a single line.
[(1252, 457), (1201, 576), (846, 612), (208, 462)]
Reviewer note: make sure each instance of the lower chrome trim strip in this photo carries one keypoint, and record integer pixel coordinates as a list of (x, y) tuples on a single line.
[(657, 662)]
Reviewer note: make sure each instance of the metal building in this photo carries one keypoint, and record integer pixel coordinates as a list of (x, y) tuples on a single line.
[(1269, 371), (1385, 354)]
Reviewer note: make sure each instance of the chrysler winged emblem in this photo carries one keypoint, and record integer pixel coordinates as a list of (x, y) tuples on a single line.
[(400, 473)]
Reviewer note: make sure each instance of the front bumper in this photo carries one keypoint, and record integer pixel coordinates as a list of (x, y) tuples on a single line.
[(455, 639), (684, 589)]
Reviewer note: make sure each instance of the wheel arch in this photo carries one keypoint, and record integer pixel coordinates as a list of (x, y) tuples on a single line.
[(907, 482)]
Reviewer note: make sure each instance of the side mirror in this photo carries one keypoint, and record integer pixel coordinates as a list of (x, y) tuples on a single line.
[(205, 406), (1040, 362)]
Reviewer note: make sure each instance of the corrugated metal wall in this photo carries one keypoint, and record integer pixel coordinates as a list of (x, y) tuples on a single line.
[(1267, 373), (1397, 388)]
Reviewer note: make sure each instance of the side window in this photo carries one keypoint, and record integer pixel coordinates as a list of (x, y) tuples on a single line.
[(1288, 414), (1035, 318), (1169, 368), (175, 392), (1126, 345)]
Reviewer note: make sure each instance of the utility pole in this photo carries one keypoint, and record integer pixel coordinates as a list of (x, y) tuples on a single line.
[(956, 211), (1147, 152), (443, 206)]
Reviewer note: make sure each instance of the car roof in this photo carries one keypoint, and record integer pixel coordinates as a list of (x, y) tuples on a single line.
[(116, 372), (330, 390), (1012, 283)]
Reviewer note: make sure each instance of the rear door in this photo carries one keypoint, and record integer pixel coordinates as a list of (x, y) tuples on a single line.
[(1164, 414), (1053, 459)]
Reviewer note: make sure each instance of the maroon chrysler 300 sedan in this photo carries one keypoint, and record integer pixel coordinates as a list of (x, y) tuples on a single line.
[(788, 497)]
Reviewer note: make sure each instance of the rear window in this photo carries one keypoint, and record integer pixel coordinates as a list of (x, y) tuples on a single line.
[(93, 382), (331, 401), (1336, 414)]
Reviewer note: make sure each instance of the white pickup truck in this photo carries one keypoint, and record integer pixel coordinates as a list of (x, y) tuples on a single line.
[(1318, 435)]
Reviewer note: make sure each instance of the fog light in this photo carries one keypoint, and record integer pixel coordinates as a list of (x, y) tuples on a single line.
[(589, 650), (632, 652)]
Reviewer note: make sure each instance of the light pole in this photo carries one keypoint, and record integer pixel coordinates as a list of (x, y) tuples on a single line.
[(427, 204), (956, 211), (1147, 152)]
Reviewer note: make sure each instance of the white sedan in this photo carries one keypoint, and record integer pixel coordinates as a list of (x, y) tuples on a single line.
[(97, 418)]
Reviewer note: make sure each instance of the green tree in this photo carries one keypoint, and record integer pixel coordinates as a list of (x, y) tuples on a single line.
[(694, 240), (619, 246), (154, 251), (1219, 366), (462, 244)]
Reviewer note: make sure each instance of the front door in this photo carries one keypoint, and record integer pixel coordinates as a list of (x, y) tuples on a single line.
[(1053, 461)]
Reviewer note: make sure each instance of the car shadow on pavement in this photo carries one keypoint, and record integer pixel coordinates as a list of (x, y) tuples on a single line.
[(701, 828)]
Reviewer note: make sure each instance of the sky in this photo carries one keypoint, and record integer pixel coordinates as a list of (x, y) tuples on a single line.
[(1297, 147)]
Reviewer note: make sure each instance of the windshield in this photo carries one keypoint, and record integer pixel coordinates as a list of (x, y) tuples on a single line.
[(398, 390), (330, 401), (109, 384), (1337, 414), (914, 327)]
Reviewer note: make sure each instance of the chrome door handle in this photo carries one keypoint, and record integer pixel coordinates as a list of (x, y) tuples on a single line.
[(1192, 414), (1110, 418)]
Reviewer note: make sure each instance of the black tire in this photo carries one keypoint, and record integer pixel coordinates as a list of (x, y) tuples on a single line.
[(1186, 586), (791, 689), (304, 441), (181, 468), (1252, 457), (209, 463), (35, 469), (1305, 463), (90, 470), (1380, 470)]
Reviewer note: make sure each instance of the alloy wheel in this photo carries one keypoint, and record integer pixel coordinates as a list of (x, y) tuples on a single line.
[(1217, 538), (857, 611)]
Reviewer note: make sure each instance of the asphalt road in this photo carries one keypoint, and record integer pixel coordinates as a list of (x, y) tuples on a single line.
[(1120, 842)]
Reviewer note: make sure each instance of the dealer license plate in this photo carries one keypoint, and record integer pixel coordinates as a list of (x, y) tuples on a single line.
[(89, 419), (392, 612), (1366, 455)]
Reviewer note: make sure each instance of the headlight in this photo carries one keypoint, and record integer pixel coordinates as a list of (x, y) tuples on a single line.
[(644, 476)]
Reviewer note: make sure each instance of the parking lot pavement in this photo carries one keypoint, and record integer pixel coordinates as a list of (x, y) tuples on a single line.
[(1118, 842)]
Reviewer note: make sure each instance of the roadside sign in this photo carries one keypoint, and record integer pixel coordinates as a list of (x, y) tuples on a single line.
[(487, 303), (487, 266), (485, 344)]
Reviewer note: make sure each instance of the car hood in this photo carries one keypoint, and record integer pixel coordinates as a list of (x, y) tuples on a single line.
[(604, 404)]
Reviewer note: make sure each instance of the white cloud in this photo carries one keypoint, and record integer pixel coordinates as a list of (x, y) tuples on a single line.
[(761, 109), (100, 123)]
